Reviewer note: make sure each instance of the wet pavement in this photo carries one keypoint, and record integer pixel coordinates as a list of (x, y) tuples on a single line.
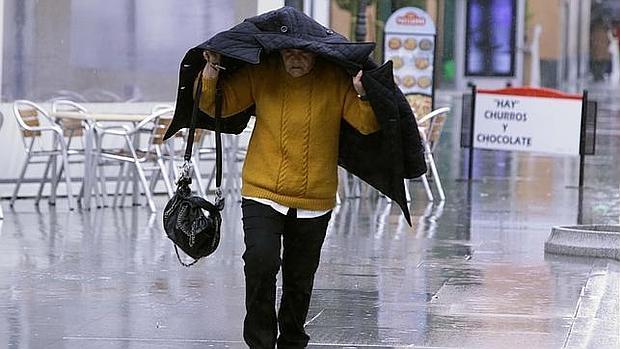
[(470, 273)]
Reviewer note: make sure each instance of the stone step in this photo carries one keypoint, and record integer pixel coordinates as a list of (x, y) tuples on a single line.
[(585, 240)]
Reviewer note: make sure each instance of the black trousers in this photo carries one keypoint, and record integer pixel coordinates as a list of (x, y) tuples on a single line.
[(265, 230)]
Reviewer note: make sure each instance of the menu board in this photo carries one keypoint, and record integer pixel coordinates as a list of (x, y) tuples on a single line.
[(412, 57), (409, 43)]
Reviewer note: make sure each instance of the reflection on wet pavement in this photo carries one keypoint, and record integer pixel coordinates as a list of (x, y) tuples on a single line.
[(470, 273)]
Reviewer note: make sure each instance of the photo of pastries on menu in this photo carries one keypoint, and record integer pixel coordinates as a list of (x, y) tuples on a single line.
[(412, 59)]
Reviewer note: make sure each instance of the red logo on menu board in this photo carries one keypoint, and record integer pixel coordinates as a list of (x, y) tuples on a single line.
[(411, 18)]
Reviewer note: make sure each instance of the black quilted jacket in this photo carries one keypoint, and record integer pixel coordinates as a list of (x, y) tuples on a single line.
[(382, 159)]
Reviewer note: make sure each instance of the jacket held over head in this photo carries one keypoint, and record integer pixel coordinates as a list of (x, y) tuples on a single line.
[(383, 159)]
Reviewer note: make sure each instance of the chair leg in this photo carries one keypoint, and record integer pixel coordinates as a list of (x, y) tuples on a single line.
[(343, 182), (153, 180), (239, 181), (436, 179), (43, 181), (80, 195), (164, 171), (211, 177), (198, 175), (55, 178), (97, 173), (60, 172), (65, 160), (129, 174), (19, 180), (135, 191), (97, 183), (94, 180), (228, 154), (121, 170), (170, 151), (356, 187), (427, 187), (102, 184), (56, 173), (407, 193), (174, 171), (145, 185)]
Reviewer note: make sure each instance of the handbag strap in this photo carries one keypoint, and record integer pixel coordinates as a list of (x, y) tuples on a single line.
[(218, 135), (218, 146), (176, 249)]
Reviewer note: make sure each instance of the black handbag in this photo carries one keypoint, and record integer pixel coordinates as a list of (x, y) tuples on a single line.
[(184, 220)]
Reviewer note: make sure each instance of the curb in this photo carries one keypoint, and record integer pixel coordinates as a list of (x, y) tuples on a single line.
[(602, 241)]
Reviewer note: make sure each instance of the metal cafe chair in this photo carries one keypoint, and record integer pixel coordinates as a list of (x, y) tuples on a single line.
[(233, 155), (27, 116), (175, 156), (158, 107), (71, 128), (165, 147), (172, 155), (157, 122), (74, 130), (431, 126), (237, 148), (351, 186)]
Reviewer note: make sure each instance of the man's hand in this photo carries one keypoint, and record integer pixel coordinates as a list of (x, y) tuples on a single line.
[(357, 84), (211, 70)]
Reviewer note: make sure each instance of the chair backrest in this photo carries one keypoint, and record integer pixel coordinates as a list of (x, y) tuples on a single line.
[(27, 115), (159, 107), (31, 118), (434, 132), (199, 136), (180, 134), (70, 127), (432, 125), (161, 122)]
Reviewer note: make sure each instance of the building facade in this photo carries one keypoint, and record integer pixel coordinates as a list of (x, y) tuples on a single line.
[(91, 51)]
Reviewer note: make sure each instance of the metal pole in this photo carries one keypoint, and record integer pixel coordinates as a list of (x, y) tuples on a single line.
[(581, 169), (582, 139), (470, 159), (582, 149), (580, 208)]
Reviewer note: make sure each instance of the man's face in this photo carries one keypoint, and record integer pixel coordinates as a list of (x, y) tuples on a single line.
[(297, 62)]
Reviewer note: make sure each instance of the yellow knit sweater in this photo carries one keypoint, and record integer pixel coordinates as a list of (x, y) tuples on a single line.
[(292, 157)]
